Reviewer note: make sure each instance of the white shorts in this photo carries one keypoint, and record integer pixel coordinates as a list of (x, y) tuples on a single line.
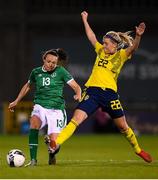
[(55, 119)]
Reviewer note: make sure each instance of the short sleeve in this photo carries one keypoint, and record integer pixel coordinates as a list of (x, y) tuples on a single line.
[(32, 77), (66, 75), (98, 47), (123, 55)]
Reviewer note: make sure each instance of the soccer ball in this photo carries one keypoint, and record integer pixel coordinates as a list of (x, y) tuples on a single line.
[(15, 158)]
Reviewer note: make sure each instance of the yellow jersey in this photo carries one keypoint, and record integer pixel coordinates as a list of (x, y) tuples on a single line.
[(106, 68)]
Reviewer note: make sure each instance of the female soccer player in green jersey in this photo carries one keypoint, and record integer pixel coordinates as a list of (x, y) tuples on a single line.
[(49, 108), (101, 92)]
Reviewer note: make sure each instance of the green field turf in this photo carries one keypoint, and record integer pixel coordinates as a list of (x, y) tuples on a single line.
[(84, 156)]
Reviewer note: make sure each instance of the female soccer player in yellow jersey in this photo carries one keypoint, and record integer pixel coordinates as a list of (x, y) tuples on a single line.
[(101, 87), (49, 108)]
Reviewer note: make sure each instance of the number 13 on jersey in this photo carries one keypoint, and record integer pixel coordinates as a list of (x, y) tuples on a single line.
[(45, 81)]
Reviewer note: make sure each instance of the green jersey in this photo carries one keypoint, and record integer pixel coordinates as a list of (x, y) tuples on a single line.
[(49, 86)]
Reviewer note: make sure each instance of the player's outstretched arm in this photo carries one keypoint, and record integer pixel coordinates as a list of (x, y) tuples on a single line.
[(89, 32), (139, 32), (25, 89), (74, 85)]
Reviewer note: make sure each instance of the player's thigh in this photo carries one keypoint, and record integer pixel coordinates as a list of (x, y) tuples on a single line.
[(112, 105), (35, 122), (56, 120), (88, 105), (39, 113)]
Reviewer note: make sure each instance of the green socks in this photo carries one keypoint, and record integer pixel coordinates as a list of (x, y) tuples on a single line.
[(33, 143)]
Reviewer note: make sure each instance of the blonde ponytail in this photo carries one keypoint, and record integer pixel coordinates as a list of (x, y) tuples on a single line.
[(126, 38)]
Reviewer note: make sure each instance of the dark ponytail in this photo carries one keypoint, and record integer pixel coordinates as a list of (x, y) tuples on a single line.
[(62, 57)]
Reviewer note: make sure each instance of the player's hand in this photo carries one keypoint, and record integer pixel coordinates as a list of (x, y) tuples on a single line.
[(84, 15), (12, 105), (140, 29), (77, 97)]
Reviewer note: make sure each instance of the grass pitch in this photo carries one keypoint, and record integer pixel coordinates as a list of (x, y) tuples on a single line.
[(83, 157)]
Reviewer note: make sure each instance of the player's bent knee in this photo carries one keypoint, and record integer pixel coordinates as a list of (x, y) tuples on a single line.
[(35, 123), (79, 116)]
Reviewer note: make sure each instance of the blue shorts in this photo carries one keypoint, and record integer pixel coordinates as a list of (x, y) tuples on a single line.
[(95, 97)]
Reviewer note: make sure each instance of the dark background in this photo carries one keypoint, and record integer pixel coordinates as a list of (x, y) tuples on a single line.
[(29, 27)]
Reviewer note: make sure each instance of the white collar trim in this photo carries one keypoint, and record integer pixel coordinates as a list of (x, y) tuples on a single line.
[(43, 69)]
